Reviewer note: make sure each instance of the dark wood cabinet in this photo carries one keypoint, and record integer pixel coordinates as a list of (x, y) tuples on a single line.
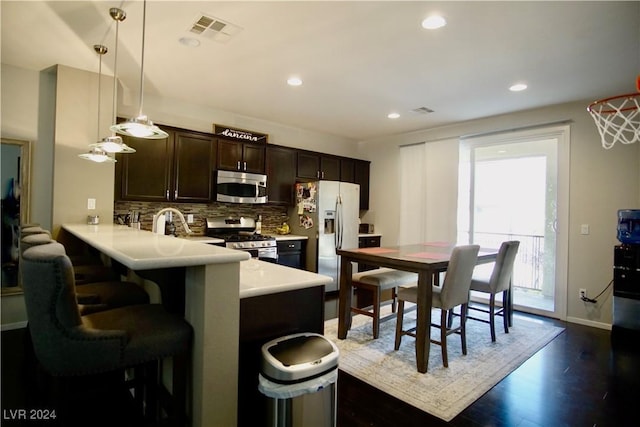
[(281, 174), (240, 156), (292, 253), (311, 165), (348, 170), (361, 177), (177, 168)]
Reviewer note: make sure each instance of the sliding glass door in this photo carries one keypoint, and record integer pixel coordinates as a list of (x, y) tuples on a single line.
[(514, 190)]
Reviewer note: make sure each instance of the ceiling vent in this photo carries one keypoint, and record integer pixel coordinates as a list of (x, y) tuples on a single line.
[(214, 28), (422, 110)]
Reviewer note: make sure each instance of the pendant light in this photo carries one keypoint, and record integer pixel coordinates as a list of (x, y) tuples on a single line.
[(114, 143), (97, 154), (140, 126)]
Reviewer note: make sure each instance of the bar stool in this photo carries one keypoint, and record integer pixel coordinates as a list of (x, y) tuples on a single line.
[(100, 295), (68, 345)]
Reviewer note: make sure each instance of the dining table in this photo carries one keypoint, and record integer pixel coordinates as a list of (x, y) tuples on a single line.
[(428, 260)]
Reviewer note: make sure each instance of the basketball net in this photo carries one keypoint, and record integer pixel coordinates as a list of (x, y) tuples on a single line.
[(618, 118)]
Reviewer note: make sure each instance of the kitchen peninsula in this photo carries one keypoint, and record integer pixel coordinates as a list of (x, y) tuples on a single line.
[(215, 280)]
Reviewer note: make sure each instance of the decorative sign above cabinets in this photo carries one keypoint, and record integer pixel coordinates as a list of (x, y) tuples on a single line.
[(239, 134)]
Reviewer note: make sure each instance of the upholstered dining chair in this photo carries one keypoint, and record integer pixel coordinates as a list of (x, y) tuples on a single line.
[(498, 282), (67, 344), (453, 292)]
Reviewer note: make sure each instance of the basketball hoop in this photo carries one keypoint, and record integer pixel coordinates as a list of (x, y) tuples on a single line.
[(618, 118)]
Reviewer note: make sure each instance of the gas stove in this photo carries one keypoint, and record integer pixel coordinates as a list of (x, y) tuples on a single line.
[(239, 233)]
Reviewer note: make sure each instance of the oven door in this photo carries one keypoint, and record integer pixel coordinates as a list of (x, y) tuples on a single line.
[(264, 254), (240, 187)]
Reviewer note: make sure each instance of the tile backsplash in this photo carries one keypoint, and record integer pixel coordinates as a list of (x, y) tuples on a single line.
[(272, 215)]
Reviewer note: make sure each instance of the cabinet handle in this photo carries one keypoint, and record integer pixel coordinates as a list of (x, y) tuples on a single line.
[(167, 194), (238, 167), (318, 174), (175, 194), (291, 246), (322, 174), (245, 165)]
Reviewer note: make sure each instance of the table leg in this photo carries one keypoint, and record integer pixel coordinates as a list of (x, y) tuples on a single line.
[(344, 298), (423, 325)]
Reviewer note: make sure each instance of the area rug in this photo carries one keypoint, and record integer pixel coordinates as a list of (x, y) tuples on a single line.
[(442, 392)]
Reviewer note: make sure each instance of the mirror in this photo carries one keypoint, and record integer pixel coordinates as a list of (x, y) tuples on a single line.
[(16, 162)]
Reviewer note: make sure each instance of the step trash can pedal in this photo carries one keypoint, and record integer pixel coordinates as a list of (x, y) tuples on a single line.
[(298, 376)]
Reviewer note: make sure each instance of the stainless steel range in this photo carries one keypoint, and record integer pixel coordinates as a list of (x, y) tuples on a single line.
[(240, 233)]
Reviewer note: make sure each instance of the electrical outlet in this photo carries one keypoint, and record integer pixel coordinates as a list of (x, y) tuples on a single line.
[(190, 219), (91, 204), (582, 293)]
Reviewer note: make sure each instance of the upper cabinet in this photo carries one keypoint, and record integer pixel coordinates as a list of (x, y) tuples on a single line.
[(281, 174), (361, 176), (177, 168), (318, 166), (241, 156)]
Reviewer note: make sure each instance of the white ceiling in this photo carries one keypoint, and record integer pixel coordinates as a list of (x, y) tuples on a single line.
[(359, 60)]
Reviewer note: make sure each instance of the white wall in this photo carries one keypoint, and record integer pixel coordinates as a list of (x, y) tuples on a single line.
[(601, 182)]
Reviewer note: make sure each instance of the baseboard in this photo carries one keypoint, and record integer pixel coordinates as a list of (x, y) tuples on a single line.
[(11, 326), (591, 323)]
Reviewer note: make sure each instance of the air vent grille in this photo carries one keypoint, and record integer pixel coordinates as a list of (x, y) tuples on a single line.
[(422, 110), (214, 28)]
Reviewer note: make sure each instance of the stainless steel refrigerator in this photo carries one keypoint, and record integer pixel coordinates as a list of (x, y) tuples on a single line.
[(327, 212)]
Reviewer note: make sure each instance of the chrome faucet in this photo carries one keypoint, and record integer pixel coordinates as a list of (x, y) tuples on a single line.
[(154, 227)]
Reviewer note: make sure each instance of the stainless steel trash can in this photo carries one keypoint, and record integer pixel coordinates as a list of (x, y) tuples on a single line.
[(298, 376)]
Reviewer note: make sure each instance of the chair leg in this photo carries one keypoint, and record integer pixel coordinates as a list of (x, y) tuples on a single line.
[(376, 312), (463, 328), (399, 324), (179, 385), (443, 337), (492, 316), (450, 319), (394, 299), (506, 311)]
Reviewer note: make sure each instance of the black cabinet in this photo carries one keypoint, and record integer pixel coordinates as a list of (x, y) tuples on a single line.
[(292, 253), (240, 156), (368, 242), (177, 168), (281, 174)]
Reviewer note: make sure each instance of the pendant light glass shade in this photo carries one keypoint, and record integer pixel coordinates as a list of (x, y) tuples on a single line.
[(96, 154), (140, 126)]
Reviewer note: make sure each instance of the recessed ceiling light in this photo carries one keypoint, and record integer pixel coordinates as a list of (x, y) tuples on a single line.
[(393, 115), (294, 81), (434, 22), (189, 41), (518, 87)]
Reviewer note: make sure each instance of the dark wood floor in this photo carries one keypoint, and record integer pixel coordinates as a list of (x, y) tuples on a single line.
[(579, 379)]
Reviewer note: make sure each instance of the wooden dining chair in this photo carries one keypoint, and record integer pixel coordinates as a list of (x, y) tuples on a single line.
[(453, 292), (498, 282)]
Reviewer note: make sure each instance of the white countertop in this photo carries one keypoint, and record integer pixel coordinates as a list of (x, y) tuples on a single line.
[(285, 237), (263, 278), (144, 250)]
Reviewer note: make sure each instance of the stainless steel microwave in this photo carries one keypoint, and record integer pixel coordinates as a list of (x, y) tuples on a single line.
[(241, 187)]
